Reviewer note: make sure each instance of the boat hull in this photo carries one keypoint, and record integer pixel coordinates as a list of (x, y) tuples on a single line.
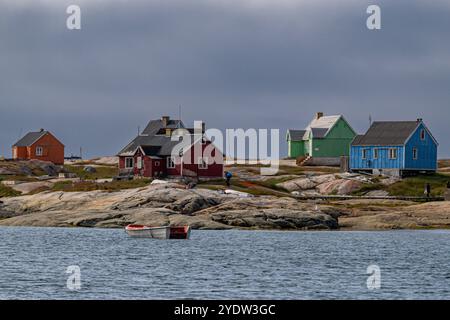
[(183, 232), (149, 232)]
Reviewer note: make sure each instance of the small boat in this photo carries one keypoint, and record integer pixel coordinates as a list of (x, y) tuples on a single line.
[(139, 231), (166, 232), (182, 232)]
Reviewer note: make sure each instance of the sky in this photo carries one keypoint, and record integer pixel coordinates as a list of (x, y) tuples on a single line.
[(233, 64)]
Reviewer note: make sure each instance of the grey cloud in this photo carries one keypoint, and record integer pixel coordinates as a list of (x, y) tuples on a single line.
[(263, 66)]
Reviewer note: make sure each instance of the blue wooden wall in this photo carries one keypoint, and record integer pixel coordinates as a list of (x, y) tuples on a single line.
[(383, 161), (426, 154), (426, 151)]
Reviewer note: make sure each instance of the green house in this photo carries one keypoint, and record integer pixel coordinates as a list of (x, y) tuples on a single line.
[(326, 137)]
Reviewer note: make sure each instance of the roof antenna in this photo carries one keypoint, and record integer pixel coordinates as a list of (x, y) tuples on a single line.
[(179, 116), (370, 120), (139, 130)]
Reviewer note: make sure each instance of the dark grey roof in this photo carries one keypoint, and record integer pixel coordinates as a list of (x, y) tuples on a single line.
[(319, 132), (153, 140), (154, 126), (30, 138), (151, 150), (386, 133), (296, 135)]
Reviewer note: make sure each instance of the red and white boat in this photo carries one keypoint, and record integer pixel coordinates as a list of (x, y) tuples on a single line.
[(166, 232)]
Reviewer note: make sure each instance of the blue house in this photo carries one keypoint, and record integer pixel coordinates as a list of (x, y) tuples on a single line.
[(394, 148)]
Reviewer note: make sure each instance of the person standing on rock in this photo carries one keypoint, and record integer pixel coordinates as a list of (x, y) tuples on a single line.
[(428, 189), (228, 177)]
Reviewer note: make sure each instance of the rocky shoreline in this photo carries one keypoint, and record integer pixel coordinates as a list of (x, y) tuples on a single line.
[(166, 204), (173, 204)]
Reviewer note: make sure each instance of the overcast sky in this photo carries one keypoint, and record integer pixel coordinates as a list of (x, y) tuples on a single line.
[(233, 64)]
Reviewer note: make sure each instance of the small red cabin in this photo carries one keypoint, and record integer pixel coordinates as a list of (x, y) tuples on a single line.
[(41, 145), (151, 153)]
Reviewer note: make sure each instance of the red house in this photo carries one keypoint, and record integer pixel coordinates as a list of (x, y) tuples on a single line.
[(156, 152), (41, 145)]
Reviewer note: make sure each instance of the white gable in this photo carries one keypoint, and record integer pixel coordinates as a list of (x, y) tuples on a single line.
[(325, 122)]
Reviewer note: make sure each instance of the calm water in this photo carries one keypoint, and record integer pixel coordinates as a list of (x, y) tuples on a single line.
[(224, 265)]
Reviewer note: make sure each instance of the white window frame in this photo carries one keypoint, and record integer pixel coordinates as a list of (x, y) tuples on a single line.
[(365, 153), (415, 154), (126, 163), (376, 153), (202, 163), (39, 151), (139, 163), (393, 154), (422, 134), (170, 163)]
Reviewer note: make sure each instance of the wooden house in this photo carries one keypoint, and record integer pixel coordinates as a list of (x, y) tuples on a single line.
[(395, 148), (323, 142), (151, 154), (41, 145)]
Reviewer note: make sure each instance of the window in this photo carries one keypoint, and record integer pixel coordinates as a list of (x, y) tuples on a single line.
[(129, 163), (170, 163), (415, 154), (375, 153), (139, 163), (203, 163), (39, 151), (156, 163), (392, 154), (365, 153), (422, 134)]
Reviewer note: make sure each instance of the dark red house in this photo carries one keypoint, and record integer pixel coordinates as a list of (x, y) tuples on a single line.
[(156, 152)]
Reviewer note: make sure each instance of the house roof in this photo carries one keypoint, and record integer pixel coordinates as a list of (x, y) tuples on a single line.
[(30, 138), (154, 126), (324, 123), (296, 135), (322, 126), (387, 133), (319, 132), (154, 141)]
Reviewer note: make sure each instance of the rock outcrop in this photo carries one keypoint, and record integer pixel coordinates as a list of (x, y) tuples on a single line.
[(165, 204)]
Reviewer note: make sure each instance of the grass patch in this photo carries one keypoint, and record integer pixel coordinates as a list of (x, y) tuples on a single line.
[(18, 178), (102, 172), (284, 170), (6, 191), (415, 186), (69, 186), (411, 186)]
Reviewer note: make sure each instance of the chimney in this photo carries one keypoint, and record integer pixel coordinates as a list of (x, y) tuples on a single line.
[(319, 115), (165, 120), (41, 130)]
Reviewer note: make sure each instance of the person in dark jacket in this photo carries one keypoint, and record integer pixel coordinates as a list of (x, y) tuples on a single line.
[(228, 177), (428, 189)]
